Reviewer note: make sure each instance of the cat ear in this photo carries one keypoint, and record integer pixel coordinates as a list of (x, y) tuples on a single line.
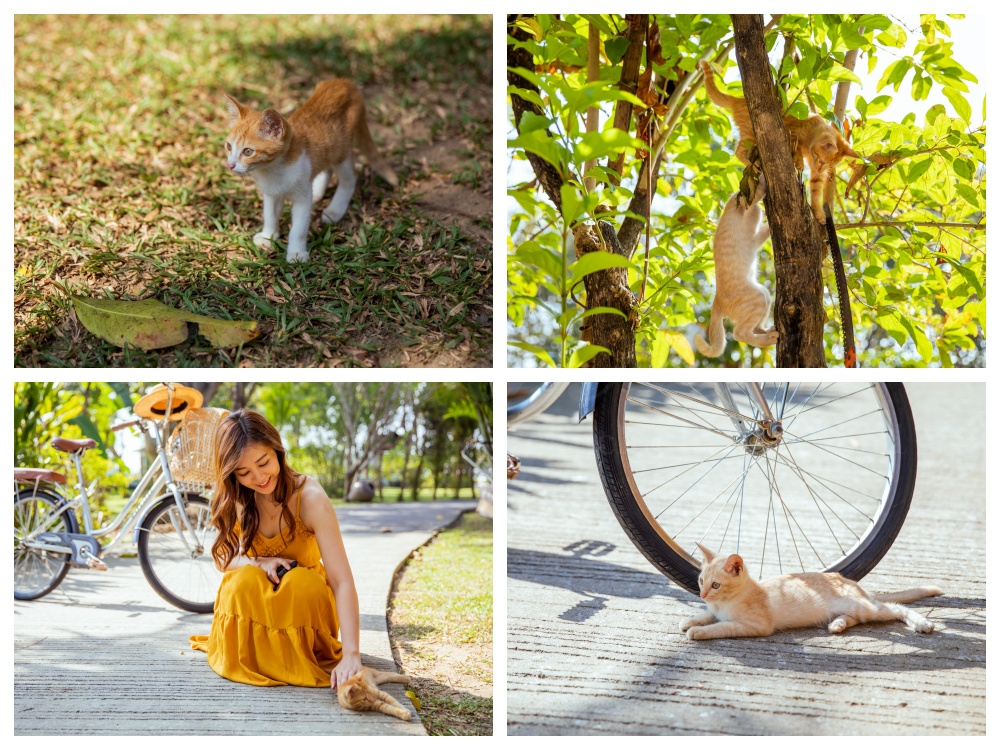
[(271, 125), (236, 110), (734, 565), (706, 552)]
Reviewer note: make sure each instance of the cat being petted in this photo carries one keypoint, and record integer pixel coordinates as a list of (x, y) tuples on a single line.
[(739, 606), (361, 693), (738, 295), (294, 158)]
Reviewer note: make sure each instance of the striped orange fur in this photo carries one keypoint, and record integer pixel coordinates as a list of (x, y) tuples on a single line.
[(294, 158)]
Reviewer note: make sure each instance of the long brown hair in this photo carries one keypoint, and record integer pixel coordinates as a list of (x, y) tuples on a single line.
[(231, 501)]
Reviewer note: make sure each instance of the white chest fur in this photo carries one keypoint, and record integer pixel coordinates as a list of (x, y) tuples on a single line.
[(284, 180)]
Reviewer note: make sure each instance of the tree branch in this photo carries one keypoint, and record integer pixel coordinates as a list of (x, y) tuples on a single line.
[(518, 57), (798, 245), (637, 23), (958, 224)]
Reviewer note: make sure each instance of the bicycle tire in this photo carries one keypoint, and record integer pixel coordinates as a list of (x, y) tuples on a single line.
[(188, 579), (670, 557), (58, 563)]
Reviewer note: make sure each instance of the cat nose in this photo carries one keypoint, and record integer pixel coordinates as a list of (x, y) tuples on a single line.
[(703, 594)]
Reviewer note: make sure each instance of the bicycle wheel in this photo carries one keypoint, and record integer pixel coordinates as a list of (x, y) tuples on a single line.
[(37, 572), (178, 566), (827, 488)]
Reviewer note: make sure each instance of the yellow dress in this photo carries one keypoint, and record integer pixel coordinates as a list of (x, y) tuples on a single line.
[(265, 637)]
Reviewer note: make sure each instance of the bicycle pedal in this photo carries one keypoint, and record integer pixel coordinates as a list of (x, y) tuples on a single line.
[(82, 547), (96, 564)]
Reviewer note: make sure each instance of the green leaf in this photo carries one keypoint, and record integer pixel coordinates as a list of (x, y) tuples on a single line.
[(615, 49), (604, 311), (570, 202), (838, 73), (964, 168), (679, 343), (603, 143), (890, 321), (969, 195), (893, 75), (959, 102), (538, 143), (586, 353), (538, 351), (597, 260), (149, 324), (531, 122), (918, 168), (527, 94)]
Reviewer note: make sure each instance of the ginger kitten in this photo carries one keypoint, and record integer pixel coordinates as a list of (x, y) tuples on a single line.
[(294, 158), (361, 693), (739, 606), (813, 140), (738, 294)]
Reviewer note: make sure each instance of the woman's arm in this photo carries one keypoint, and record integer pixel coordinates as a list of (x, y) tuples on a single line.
[(318, 514), (269, 565)]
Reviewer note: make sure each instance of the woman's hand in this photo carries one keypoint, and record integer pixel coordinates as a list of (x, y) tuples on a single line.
[(349, 666), (270, 566)]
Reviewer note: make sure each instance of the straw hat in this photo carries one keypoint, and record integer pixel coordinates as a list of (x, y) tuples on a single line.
[(154, 404)]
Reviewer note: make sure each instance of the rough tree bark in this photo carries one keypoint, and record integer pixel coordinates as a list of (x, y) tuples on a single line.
[(795, 234), (607, 288)]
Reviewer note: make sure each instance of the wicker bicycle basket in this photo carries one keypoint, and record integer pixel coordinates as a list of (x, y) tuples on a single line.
[(189, 449)]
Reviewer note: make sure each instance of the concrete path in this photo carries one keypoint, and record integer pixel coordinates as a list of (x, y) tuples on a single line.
[(103, 654), (594, 645)]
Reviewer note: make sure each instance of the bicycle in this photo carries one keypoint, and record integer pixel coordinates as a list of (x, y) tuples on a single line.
[(793, 477), (169, 520)]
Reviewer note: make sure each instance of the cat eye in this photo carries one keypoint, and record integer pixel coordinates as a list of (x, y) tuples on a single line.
[(247, 151), (715, 585)]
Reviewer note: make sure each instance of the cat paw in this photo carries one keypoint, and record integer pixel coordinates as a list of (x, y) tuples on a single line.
[(839, 625), (297, 256), (688, 624), (924, 627), (772, 338), (262, 240), (695, 633), (332, 217)]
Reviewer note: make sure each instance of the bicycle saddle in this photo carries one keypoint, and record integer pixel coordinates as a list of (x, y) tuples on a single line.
[(72, 446)]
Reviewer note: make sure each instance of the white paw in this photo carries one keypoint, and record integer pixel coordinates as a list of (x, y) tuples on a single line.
[(299, 255), (262, 240), (695, 633), (687, 624), (837, 626), (925, 627), (332, 217)]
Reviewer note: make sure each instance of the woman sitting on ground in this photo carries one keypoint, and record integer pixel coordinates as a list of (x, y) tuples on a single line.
[(269, 630)]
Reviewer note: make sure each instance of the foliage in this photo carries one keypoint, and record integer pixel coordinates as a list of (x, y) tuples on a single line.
[(43, 411), (913, 230), (120, 188)]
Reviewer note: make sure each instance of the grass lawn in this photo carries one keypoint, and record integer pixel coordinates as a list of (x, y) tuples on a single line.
[(441, 627), (121, 190)]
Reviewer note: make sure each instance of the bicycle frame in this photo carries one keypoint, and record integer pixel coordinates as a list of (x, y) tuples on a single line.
[(142, 499)]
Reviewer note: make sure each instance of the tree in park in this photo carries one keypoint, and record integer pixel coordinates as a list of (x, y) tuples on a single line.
[(596, 100)]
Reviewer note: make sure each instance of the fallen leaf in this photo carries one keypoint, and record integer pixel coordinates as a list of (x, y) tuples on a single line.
[(149, 324), (413, 697)]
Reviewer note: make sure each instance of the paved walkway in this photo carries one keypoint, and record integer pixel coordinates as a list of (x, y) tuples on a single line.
[(103, 654), (594, 646)]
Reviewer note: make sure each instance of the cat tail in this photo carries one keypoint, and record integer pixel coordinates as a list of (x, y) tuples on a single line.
[(910, 595), (717, 335), (717, 96), (363, 140)]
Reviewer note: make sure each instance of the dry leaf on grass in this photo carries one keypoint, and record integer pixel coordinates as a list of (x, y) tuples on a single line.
[(149, 324)]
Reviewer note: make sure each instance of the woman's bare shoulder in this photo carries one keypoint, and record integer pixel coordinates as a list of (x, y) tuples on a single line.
[(315, 501)]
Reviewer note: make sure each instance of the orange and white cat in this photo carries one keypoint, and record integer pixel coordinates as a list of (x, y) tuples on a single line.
[(294, 158), (739, 606), (361, 693), (738, 295), (814, 141)]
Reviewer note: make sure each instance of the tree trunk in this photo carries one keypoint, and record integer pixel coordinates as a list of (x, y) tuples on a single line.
[(637, 24), (795, 234), (608, 288)]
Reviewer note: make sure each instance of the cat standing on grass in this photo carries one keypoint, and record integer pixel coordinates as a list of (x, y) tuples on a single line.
[(293, 159), (739, 606), (738, 294)]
